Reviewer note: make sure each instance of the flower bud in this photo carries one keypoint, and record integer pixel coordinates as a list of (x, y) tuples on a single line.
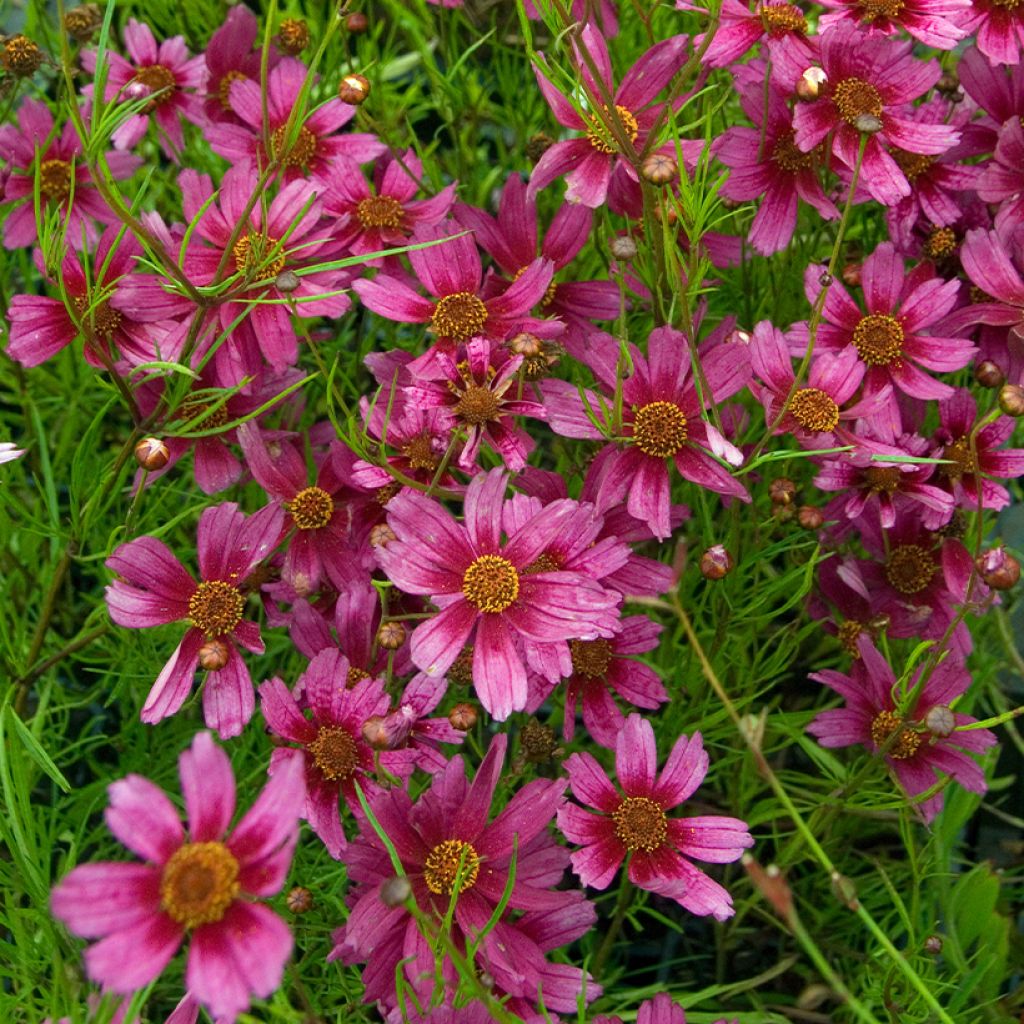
[(1011, 400), (357, 23), (844, 890), (152, 454), (293, 36), (715, 563), (21, 56), (375, 733), (299, 900), (395, 891), (809, 85), (825, 279), (868, 124), (988, 374), (940, 721), (462, 717), (382, 535), (213, 655), (851, 274), (287, 281), (391, 635), (810, 518), (526, 345), (354, 89), (782, 491), (999, 569), (82, 21), (933, 945), (623, 248), (659, 169), (538, 145)]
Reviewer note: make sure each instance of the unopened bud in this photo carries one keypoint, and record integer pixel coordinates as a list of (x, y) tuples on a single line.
[(772, 886), (623, 248), (293, 36), (948, 84), (395, 891), (933, 944), (810, 518), (825, 279), (391, 635), (998, 568), (851, 274), (486, 980), (151, 453), (287, 281), (21, 56), (1011, 400), (988, 374), (375, 733), (715, 563), (354, 89), (299, 900), (382, 535), (81, 22), (462, 717), (659, 169), (868, 124), (357, 23), (844, 890), (214, 655), (526, 345), (538, 145), (940, 721), (782, 491), (809, 85)]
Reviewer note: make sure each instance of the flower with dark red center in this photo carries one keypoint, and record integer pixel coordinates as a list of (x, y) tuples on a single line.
[(871, 77), (205, 886), (634, 823), (483, 590), (661, 419), (166, 74), (153, 588), (451, 854), (881, 714)]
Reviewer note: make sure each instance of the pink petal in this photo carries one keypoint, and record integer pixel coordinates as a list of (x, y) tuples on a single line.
[(636, 757), (144, 819), (208, 787)]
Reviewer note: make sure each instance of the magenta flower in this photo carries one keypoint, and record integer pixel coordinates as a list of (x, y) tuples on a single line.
[(448, 848), (985, 257), (659, 1010), (315, 145), (1002, 180), (635, 824), (662, 419), (203, 885), (382, 217), (936, 23), (33, 148), (998, 93), (453, 275), (588, 162), (331, 746), (780, 25), (153, 589), (490, 590), (891, 339), (163, 73), (998, 29), (231, 55), (930, 740), (871, 77)]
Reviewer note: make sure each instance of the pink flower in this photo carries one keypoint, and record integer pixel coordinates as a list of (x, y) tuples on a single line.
[(32, 148), (588, 162), (985, 257), (203, 885), (781, 25), (489, 589), (452, 273), (231, 55), (871, 77), (659, 1010), (635, 824), (936, 23), (999, 30), (164, 73), (331, 746), (1002, 180), (930, 740), (153, 588), (451, 853), (661, 419)]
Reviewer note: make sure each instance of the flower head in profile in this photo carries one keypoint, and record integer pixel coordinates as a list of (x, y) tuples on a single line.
[(634, 824), (202, 883), (152, 588), (659, 1010), (923, 739)]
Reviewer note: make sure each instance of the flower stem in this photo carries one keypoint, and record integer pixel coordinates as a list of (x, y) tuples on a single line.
[(626, 892)]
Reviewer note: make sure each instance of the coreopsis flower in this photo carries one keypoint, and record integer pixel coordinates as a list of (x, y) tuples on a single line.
[(987, 261), (936, 23), (764, 161), (384, 216), (33, 148), (845, 605), (231, 55), (166, 74), (659, 1010), (330, 745), (923, 738), (451, 271), (661, 419), (152, 588), (783, 26), (1002, 180), (449, 850), (870, 80), (99, 312), (308, 151), (588, 162), (892, 339), (815, 414), (203, 884), (968, 469), (488, 589), (998, 29), (998, 93), (634, 823)]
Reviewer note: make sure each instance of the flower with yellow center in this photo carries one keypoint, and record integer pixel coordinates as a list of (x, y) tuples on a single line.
[(311, 509), (910, 568), (334, 753), (814, 410), (600, 134), (199, 883), (878, 339), (215, 608), (491, 583), (640, 823), (659, 429), (854, 98), (380, 212), (458, 316), (251, 252), (450, 864), (907, 742)]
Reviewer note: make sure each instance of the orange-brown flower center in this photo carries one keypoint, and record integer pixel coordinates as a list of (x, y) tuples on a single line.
[(940, 243), (477, 405), (910, 568), (778, 19), (491, 583), (224, 88), (905, 745), (453, 862), (640, 823), (199, 883), (849, 634), (591, 658), (880, 9), (813, 409), (215, 608), (99, 315), (334, 752), (301, 151), (458, 316), (885, 479), (419, 450), (962, 462), (355, 675), (854, 98), (789, 158), (601, 136), (659, 429), (54, 180), (878, 339), (913, 165), (251, 252), (311, 509), (380, 212), (160, 82)]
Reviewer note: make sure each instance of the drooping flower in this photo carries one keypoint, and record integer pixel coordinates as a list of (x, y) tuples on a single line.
[(635, 824), (923, 738), (153, 589), (450, 851), (661, 419), (204, 885), (489, 589)]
